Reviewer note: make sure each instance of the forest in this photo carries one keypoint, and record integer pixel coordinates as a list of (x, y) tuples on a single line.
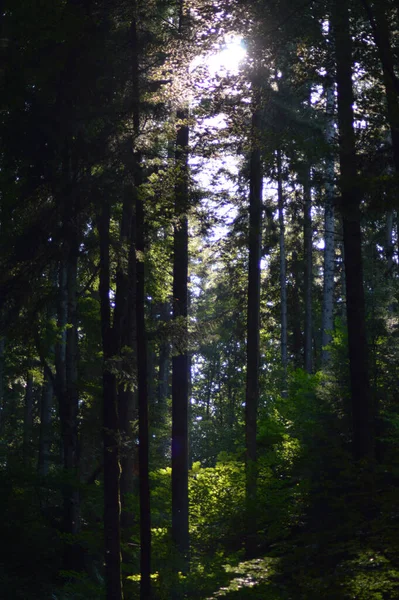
[(199, 299)]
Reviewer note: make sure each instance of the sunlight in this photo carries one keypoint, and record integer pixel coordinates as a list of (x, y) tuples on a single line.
[(224, 61), (229, 58)]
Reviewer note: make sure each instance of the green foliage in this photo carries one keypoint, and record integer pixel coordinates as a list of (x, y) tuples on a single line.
[(217, 497)]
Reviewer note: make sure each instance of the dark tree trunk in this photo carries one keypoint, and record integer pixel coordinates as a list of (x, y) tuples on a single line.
[(45, 425), (2, 386), (296, 310), (142, 366), (163, 362), (376, 12), (71, 403), (253, 326), (362, 413), (180, 362), (111, 433), (283, 270), (66, 360), (308, 272), (329, 230), (124, 327), (142, 369), (28, 418), (163, 365)]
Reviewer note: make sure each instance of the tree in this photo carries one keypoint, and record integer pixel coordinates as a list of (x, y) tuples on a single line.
[(329, 226), (362, 413), (253, 321)]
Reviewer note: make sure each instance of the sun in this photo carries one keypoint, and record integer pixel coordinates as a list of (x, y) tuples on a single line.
[(224, 60), (229, 57)]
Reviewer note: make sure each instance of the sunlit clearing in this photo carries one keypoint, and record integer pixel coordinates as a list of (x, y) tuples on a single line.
[(225, 60)]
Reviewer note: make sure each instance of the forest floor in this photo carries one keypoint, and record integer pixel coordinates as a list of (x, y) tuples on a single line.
[(251, 580)]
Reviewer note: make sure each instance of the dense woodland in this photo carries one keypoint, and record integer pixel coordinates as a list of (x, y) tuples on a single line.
[(199, 299)]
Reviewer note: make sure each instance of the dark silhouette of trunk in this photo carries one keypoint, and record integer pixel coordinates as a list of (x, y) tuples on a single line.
[(66, 356), (329, 231), (389, 253), (142, 356), (253, 326), (283, 269), (163, 376), (296, 310), (2, 386), (125, 332), (142, 370), (45, 438), (70, 411), (362, 413), (180, 362), (376, 12), (308, 272), (28, 418), (111, 433), (389, 245)]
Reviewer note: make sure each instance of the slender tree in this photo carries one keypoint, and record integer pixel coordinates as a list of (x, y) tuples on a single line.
[(253, 324), (283, 270), (308, 270), (142, 354), (180, 362), (111, 432), (362, 413), (329, 227)]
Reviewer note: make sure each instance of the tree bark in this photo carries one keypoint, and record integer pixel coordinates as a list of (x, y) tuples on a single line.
[(296, 310), (45, 426), (2, 385), (71, 404), (308, 271), (142, 369), (253, 327), (127, 334), (362, 413), (142, 356), (329, 232), (180, 362), (283, 270), (111, 433), (28, 418)]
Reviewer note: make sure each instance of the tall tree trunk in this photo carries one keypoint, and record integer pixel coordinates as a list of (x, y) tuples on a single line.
[(180, 362), (362, 413), (125, 332), (389, 245), (253, 327), (308, 271), (2, 385), (28, 418), (163, 368), (142, 369), (389, 253), (283, 269), (142, 355), (329, 231), (66, 357), (111, 433), (376, 12), (296, 310), (71, 404), (45, 426)]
